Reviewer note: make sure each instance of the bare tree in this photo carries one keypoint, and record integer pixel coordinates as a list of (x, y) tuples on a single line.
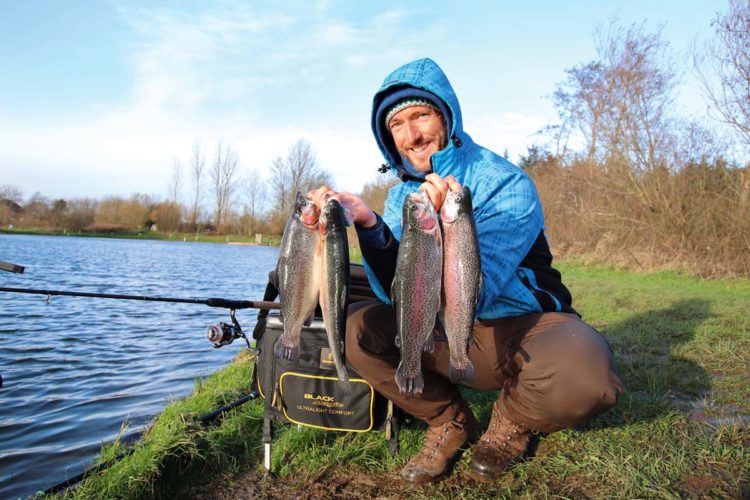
[(10, 203), (166, 216), (581, 102), (375, 192), (80, 212), (619, 103), (255, 196), (130, 213), (175, 181), (723, 67), (197, 165), (10, 192), (280, 183), (36, 209), (57, 212), (223, 176), (290, 173), (298, 171)]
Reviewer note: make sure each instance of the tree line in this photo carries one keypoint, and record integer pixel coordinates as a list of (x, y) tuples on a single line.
[(210, 193), (627, 179), (623, 175)]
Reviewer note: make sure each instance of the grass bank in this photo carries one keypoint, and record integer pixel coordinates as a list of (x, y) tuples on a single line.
[(681, 430), (153, 235)]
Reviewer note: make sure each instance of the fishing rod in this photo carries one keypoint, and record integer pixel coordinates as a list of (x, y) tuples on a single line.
[(11, 268), (220, 334)]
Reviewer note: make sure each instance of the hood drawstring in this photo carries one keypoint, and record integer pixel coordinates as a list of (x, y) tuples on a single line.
[(403, 176)]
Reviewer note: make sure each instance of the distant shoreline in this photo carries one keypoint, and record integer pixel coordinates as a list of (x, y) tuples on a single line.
[(230, 239)]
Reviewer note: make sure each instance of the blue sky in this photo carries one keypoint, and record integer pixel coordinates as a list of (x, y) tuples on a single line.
[(98, 97)]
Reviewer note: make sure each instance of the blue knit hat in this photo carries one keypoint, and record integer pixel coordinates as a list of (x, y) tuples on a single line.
[(405, 94), (408, 102)]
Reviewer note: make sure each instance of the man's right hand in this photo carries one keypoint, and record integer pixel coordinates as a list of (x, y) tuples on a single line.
[(361, 214)]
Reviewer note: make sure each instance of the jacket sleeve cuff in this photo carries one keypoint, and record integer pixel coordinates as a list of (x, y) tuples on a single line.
[(375, 237)]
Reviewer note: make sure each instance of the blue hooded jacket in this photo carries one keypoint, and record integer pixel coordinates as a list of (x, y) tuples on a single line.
[(516, 261)]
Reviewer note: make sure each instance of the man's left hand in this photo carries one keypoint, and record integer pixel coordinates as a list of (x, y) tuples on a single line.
[(437, 188)]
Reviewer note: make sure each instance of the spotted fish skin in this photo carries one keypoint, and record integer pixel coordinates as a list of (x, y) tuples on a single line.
[(298, 274), (462, 280), (415, 291), (334, 283)]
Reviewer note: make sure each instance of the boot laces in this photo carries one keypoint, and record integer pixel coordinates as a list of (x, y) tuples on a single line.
[(435, 437), (502, 432)]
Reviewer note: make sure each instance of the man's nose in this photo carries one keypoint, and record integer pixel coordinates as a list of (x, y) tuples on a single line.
[(413, 132)]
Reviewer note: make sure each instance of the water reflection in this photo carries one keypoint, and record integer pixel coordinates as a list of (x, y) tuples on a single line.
[(76, 368)]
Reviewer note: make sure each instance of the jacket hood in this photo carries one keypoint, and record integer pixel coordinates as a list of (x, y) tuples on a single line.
[(424, 78)]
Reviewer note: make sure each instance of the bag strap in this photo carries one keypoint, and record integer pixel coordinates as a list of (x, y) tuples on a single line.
[(272, 291)]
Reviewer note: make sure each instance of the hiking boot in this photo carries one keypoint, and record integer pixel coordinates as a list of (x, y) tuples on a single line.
[(503, 444), (442, 447)]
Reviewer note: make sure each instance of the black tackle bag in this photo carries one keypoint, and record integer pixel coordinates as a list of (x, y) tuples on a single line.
[(308, 392)]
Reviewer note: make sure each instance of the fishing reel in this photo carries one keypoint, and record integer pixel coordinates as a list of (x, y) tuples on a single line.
[(223, 334)]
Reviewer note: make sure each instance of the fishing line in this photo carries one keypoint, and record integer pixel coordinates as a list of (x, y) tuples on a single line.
[(211, 302)]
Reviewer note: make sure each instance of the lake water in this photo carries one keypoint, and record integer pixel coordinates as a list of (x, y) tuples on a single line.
[(75, 369)]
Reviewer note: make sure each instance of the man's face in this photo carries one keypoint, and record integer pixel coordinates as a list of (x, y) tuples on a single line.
[(418, 132)]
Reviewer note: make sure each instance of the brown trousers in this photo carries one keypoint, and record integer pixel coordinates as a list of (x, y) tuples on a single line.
[(554, 370)]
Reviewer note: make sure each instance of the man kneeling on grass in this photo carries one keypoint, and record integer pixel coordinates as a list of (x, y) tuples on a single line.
[(553, 370)]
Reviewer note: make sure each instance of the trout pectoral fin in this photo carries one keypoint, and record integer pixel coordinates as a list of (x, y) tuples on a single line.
[(480, 285), (309, 319), (429, 343)]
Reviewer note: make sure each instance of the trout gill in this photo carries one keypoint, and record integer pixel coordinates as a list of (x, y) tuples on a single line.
[(334, 282), (298, 274), (462, 281), (415, 291)]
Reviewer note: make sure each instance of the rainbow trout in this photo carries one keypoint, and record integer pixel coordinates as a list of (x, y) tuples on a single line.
[(462, 281), (334, 282), (298, 275), (415, 291)]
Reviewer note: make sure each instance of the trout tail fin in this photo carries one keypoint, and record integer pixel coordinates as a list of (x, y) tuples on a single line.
[(410, 385), (462, 375), (286, 352), (346, 385)]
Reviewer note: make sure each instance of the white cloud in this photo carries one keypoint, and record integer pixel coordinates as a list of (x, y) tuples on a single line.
[(232, 73), (511, 131)]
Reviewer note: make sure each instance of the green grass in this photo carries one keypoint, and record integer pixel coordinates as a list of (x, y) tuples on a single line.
[(681, 429)]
